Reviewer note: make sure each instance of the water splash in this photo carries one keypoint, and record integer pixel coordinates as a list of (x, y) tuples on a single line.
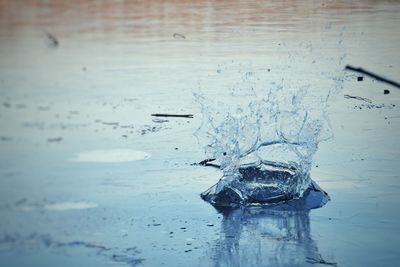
[(264, 145)]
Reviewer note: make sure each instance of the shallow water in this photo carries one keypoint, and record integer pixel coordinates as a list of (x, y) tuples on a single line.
[(116, 63)]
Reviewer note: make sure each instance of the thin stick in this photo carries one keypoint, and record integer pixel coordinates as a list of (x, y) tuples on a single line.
[(52, 39), (375, 76), (173, 115), (207, 163), (358, 98), (204, 162)]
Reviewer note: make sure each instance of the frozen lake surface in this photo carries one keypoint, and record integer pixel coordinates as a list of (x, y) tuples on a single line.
[(89, 178)]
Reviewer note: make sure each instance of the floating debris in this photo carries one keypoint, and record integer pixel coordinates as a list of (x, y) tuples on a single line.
[(179, 36), (173, 115), (373, 75), (53, 41), (358, 98), (206, 162), (371, 106)]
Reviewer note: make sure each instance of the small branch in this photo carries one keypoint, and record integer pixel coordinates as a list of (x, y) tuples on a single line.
[(212, 165), (207, 164), (53, 40), (204, 162), (358, 98), (173, 115), (373, 75), (179, 36)]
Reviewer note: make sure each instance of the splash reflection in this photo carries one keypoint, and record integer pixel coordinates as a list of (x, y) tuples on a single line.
[(277, 235), (259, 237)]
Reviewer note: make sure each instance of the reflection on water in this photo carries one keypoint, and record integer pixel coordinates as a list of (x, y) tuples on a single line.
[(275, 235), (213, 20), (259, 237)]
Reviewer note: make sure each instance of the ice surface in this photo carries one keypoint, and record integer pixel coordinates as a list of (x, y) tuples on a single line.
[(118, 62)]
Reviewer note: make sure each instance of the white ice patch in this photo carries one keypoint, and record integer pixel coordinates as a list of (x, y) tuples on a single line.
[(111, 155), (62, 206)]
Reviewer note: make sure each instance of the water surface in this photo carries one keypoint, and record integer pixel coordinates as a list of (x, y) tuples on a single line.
[(114, 63)]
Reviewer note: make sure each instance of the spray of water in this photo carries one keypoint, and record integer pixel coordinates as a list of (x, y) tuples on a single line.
[(264, 140)]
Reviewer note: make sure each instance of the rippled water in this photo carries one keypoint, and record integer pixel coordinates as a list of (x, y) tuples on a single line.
[(81, 78)]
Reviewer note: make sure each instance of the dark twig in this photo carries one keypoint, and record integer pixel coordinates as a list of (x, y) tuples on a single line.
[(53, 40), (207, 163), (358, 98), (373, 75), (212, 165), (204, 162), (179, 36), (173, 115)]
